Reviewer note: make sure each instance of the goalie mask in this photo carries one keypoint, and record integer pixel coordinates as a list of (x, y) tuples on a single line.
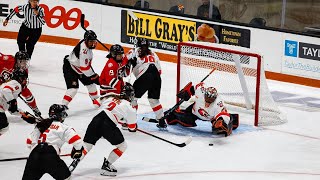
[(22, 60), (116, 52), (127, 92), (90, 39), (21, 76), (57, 112), (210, 95), (143, 45)]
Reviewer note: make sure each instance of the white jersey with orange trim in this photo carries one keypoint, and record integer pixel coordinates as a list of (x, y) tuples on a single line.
[(120, 111), (82, 65), (56, 135), (8, 91), (143, 63), (213, 111)]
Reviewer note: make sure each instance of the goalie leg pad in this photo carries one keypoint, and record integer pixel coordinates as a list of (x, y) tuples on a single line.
[(183, 118)]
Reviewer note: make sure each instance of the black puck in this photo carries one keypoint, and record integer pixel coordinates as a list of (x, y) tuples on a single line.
[(210, 144)]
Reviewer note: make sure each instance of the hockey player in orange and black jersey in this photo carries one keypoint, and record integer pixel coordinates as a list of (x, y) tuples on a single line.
[(20, 61), (117, 67), (116, 109), (45, 143), (9, 92), (147, 70), (207, 105), (77, 67)]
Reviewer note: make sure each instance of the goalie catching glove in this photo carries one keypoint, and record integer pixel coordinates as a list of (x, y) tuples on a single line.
[(186, 92)]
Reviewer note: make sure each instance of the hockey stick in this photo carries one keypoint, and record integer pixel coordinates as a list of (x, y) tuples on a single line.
[(74, 164), (24, 158), (85, 29), (170, 142), (29, 106), (175, 106)]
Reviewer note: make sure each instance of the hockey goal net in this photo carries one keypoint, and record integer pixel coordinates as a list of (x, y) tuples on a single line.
[(239, 78)]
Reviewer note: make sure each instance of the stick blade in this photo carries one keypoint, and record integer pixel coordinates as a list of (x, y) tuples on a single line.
[(149, 120), (185, 143)]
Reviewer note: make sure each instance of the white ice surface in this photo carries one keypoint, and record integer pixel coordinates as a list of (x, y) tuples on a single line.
[(286, 152)]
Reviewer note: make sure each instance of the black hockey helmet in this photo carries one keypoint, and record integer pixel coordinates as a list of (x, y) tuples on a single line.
[(143, 42), (210, 94), (21, 76), (116, 52), (22, 60), (90, 35), (127, 92), (90, 38), (58, 112)]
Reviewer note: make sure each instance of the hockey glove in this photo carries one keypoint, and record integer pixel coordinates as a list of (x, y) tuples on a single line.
[(29, 118), (186, 92), (44, 124), (13, 106), (95, 79), (76, 154), (133, 61)]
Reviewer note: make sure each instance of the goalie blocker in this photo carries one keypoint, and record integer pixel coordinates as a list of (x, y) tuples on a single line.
[(206, 104)]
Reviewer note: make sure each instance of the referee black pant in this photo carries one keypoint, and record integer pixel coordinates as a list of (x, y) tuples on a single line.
[(27, 38)]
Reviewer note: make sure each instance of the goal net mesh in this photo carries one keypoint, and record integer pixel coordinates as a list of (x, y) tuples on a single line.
[(239, 78)]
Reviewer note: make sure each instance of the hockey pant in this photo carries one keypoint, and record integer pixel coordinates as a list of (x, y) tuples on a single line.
[(102, 126), (182, 117), (4, 125), (44, 159)]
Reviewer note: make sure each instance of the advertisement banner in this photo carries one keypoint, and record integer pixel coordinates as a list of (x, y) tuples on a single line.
[(166, 32), (301, 59)]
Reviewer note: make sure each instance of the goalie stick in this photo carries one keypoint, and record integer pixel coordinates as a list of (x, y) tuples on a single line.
[(170, 142), (175, 106), (24, 158), (85, 29)]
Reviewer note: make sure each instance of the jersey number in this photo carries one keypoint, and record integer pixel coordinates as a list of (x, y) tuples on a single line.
[(148, 58), (43, 136), (113, 104)]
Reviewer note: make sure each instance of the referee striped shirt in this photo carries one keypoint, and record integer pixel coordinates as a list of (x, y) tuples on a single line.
[(31, 20)]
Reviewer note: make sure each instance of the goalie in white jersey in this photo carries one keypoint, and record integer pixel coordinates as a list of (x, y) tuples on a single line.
[(46, 141), (205, 104), (115, 109), (77, 67)]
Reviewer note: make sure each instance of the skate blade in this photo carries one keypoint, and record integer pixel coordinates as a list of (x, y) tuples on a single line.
[(107, 173)]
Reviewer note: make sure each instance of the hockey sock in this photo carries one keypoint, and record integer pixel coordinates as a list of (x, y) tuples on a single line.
[(70, 93), (93, 92), (156, 107), (116, 153), (26, 93)]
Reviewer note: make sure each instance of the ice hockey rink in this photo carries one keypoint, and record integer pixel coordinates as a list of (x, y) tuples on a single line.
[(285, 152)]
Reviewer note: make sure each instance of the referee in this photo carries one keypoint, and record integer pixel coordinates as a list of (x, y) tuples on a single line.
[(31, 28)]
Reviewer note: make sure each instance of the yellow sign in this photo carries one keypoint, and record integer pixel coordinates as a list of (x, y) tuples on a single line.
[(161, 28)]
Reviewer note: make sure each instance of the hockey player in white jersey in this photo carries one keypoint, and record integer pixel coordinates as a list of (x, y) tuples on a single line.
[(147, 70), (115, 109), (77, 67), (9, 92), (205, 104), (45, 143)]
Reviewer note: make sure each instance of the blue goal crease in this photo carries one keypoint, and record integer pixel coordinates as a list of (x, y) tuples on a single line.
[(203, 128)]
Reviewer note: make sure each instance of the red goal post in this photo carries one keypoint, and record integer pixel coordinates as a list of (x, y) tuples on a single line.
[(239, 77)]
